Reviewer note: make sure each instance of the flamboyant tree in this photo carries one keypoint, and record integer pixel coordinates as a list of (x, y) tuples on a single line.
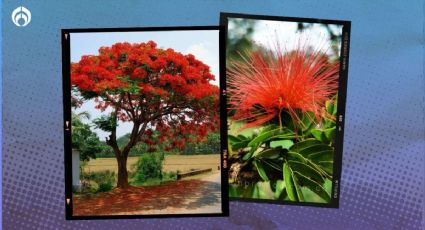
[(157, 90)]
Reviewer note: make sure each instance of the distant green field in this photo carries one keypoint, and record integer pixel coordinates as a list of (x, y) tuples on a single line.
[(172, 163)]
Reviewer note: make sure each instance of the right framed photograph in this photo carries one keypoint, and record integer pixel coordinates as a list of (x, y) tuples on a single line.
[(286, 81)]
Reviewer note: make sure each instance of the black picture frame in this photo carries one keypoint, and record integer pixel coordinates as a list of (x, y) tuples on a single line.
[(66, 65), (342, 93)]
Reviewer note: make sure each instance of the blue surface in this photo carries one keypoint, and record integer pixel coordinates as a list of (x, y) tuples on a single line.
[(382, 184), (1, 112)]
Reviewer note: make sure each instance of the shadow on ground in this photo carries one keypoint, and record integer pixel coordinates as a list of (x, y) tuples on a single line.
[(187, 196)]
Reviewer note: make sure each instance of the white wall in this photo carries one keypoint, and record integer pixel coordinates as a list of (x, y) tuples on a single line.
[(76, 185)]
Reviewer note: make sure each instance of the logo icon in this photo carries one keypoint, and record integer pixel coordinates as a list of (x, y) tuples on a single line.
[(21, 16)]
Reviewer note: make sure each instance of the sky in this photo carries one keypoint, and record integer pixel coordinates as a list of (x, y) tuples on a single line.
[(203, 44), (267, 32)]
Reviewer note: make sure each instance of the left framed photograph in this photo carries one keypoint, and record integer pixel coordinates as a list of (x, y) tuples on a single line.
[(142, 125)]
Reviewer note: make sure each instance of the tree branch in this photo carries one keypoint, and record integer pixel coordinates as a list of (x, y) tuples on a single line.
[(133, 138), (112, 141), (132, 111)]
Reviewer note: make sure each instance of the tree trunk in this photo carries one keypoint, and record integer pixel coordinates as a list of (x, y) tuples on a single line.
[(122, 172), (122, 155)]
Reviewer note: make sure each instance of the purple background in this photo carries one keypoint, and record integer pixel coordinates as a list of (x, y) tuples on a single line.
[(382, 184)]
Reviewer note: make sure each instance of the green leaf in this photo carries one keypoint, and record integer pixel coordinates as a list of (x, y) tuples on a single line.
[(313, 159), (255, 192), (250, 153), (242, 137), (296, 157), (280, 187), (328, 123), (265, 136), (269, 154), (250, 191), (325, 135), (106, 123), (260, 170), (313, 186), (314, 149), (330, 133), (283, 137), (306, 167), (326, 155), (335, 100), (238, 142), (264, 190), (247, 156), (307, 121), (240, 145), (304, 144), (233, 139), (311, 152), (327, 166), (329, 107), (306, 170), (289, 184), (241, 191), (229, 148), (318, 134), (300, 194), (286, 144), (273, 165), (234, 191)]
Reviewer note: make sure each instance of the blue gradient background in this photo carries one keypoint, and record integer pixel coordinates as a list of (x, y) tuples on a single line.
[(382, 185)]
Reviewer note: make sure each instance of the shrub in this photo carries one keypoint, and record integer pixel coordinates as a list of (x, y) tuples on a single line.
[(170, 176), (149, 166), (211, 145), (101, 181), (104, 187)]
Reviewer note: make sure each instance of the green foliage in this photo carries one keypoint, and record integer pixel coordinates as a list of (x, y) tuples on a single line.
[(210, 146), (326, 131), (123, 140), (104, 187), (83, 139), (105, 152), (87, 95), (149, 166), (241, 40), (147, 171), (259, 190), (93, 182), (137, 150), (293, 163), (106, 123), (169, 176)]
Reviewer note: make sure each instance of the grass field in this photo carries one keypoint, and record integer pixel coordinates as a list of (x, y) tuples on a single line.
[(172, 163)]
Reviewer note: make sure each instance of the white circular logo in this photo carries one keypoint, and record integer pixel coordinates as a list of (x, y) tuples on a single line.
[(21, 16)]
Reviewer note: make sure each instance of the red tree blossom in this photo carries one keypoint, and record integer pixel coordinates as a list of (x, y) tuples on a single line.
[(156, 89), (263, 85)]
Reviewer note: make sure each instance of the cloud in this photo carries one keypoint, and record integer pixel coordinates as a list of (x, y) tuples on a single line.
[(207, 53)]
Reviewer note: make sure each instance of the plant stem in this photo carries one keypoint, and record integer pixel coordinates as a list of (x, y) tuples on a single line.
[(280, 119)]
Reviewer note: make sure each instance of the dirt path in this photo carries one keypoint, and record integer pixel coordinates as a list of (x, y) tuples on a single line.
[(215, 177), (185, 196)]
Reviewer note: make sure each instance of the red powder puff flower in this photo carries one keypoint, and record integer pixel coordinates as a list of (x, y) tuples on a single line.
[(263, 85)]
